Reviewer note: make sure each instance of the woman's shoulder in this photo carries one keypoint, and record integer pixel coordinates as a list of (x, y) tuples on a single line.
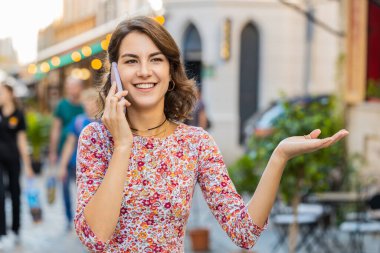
[(96, 128), (194, 132)]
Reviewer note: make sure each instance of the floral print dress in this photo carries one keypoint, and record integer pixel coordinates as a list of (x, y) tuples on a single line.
[(158, 190)]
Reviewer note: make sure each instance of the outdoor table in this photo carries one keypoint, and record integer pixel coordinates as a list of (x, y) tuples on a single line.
[(333, 200)]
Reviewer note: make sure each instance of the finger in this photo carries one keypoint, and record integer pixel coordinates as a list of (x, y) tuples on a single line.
[(336, 137), (339, 135), (110, 94), (112, 91), (121, 107), (106, 112), (112, 109), (121, 94), (127, 103), (326, 142), (315, 133), (315, 144)]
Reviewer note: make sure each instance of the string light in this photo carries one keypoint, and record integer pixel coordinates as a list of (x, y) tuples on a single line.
[(45, 67), (86, 51), (96, 64), (32, 68), (75, 56), (105, 44), (55, 61)]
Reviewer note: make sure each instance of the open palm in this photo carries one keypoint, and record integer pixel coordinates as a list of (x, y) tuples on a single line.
[(298, 145)]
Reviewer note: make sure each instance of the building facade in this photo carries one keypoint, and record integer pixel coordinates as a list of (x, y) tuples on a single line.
[(8, 55), (75, 45), (247, 52), (362, 87), (243, 53)]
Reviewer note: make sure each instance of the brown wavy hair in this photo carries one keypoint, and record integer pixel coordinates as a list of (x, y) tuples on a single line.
[(180, 101)]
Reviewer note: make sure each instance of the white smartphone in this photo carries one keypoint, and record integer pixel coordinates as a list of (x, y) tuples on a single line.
[(115, 77)]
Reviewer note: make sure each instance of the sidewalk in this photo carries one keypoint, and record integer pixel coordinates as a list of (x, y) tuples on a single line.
[(48, 236)]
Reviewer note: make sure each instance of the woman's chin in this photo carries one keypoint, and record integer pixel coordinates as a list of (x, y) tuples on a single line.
[(145, 105)]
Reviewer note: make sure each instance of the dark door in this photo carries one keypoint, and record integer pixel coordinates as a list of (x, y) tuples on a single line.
[(249, 74), (373, 51), (193, 53)]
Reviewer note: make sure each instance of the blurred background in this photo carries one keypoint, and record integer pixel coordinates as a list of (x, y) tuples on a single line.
[(267, 69)]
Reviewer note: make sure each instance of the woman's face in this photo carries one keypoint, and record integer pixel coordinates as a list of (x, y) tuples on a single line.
[(5, 95), (144, 71)]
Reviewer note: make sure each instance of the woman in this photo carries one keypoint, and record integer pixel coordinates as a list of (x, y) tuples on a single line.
[(13, 145), (137, 170)]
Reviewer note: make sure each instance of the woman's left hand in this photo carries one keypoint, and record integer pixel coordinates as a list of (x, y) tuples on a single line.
[(298, 145)]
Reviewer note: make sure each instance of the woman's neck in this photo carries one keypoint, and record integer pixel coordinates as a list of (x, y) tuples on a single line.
[(8, 108), (145, 120)]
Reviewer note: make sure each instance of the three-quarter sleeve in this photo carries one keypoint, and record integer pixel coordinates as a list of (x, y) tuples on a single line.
[(221, 196), (91, 166)]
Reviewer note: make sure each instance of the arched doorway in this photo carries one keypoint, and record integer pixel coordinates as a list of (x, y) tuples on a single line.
[(249, 74), (193, 53)]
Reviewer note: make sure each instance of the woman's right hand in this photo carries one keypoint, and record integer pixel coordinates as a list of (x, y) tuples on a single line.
[(114, 117)]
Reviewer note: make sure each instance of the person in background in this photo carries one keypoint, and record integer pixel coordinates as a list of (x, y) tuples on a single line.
[(137, 168), (65, 111), (13, 146), (199, 115), (67, 165)]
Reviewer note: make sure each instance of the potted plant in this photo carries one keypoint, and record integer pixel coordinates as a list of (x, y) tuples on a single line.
[(303, 174), (38, 129), (199, 239)]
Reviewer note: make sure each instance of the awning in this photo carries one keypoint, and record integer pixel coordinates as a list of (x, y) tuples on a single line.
[(76, 49), (73, 50)]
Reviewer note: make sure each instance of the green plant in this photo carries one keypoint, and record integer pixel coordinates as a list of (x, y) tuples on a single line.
[(243, 174), (373, 89), (303, 174), (38, 130)]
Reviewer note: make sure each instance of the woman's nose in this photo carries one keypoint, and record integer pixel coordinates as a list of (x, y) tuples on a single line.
[(144, 70)]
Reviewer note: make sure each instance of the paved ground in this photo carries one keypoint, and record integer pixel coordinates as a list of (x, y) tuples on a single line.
[(51, 236)]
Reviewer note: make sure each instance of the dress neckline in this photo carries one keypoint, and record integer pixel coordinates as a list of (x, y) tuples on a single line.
[(160, 139)]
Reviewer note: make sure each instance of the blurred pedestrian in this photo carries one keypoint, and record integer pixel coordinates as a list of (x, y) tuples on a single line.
[(67, 165), (66, 110), (199, 114), (138, 167), (13, 147)]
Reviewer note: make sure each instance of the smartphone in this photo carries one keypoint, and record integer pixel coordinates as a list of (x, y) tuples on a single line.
[(115, 77)]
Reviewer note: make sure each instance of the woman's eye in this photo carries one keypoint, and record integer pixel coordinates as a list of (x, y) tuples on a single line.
[(157, 60), (130, 61)]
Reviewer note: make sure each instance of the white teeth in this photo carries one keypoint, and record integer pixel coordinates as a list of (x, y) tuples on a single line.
[(144, 85)]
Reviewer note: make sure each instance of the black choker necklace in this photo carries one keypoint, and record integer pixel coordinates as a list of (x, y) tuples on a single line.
[(134, 129)]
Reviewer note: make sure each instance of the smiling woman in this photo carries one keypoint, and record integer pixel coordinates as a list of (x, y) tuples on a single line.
[(137, 168), (24, 34)]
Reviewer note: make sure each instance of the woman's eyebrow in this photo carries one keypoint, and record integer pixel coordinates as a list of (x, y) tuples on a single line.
[(136, 56)]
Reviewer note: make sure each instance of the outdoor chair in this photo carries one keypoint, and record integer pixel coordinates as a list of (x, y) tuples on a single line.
[(359, 224), (310, 218)]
